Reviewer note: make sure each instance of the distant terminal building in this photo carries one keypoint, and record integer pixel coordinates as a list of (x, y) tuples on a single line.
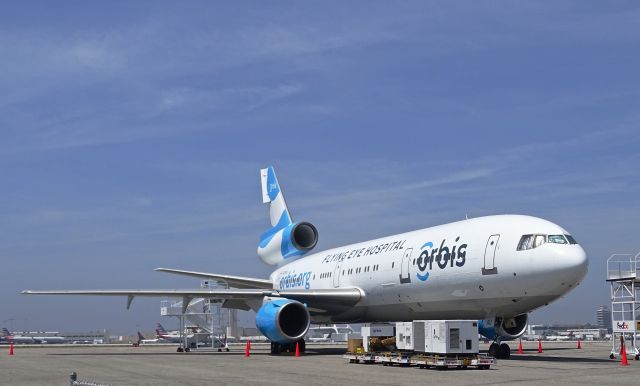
[(92, 337), (603, 318)]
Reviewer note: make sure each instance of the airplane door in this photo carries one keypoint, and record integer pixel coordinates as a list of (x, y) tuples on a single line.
[(336, 275), (404, 266), (490, 256)]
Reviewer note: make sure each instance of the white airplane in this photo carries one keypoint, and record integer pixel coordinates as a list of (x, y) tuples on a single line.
[(28, 339), (495, 269), (142, 340)]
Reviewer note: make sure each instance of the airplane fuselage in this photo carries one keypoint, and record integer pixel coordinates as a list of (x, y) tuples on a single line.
[(470, 269)]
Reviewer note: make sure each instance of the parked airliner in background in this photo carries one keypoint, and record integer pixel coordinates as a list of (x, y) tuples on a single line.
[(142, 340), (495, 269), (29, 339), (170, 337)]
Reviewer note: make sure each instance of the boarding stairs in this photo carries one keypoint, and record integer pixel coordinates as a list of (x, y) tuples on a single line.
[(623, 273)]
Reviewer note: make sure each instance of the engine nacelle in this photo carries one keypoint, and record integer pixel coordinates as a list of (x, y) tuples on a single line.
[(283, 320), (278, 244), (505, 328)]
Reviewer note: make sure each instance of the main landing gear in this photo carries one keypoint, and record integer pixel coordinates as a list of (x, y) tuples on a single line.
[(278, 348), (500, 350)]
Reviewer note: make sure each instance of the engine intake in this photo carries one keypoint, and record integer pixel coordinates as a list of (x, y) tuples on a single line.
[(505, 328), (283, 320), (304, 236)]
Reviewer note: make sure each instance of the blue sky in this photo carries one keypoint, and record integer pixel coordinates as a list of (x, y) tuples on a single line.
[(131, 135)]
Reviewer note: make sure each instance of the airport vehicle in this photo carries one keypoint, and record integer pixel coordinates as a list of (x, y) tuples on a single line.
[(28, 339), (423, 343), (494, 269)]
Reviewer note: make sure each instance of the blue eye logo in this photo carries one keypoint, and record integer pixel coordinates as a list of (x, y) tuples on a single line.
[(422, 261), (443, 257)]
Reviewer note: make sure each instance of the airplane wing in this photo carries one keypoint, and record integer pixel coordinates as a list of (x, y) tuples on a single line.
[(318, 301), (231, 281)]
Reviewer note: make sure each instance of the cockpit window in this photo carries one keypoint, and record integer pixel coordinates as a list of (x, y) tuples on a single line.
[(526, 242), (557, 239), (571, 239), (539, 240)]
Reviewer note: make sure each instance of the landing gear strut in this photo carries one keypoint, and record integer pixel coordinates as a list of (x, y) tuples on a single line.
[(500, 350), (278, 348)]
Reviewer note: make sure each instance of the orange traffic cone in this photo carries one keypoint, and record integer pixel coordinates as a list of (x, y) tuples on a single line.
[(539, 346), (11, 348), (623, 353), (297, 349), (520, 351), (247, 354), (579, 346)]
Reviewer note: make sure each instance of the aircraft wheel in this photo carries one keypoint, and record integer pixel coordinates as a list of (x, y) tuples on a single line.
[(275, 348), (494, 349), (227, 349), (611, 356), (504, 351), (302, 345)]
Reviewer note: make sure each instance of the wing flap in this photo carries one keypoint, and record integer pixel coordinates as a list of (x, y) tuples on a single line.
[(231, 281), (326, 299)]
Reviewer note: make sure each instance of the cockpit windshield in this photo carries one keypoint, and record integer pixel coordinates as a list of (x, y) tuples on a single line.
[(557, 239), (534, 241)]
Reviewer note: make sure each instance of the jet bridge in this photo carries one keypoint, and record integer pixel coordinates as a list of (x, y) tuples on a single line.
[(623, 273)]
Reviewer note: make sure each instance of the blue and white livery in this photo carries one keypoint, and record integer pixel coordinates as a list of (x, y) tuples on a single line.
[(286, 239), (495, 269)]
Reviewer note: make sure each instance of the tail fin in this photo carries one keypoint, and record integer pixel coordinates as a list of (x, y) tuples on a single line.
[(285, 240), (6, 332), (140, 337), (160, 330), (271, 193)]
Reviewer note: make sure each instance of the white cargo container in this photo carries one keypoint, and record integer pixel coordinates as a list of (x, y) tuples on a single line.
[(404, 336), (375, 330), (444, 336)]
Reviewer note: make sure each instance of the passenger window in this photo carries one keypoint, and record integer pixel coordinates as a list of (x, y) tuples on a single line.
[(557, 239)]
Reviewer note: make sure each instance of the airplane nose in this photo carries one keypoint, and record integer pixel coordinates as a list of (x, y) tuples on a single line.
[(573, 261)]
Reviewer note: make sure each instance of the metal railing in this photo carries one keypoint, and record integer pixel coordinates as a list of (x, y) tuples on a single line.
[(623, 266), (73, 381)]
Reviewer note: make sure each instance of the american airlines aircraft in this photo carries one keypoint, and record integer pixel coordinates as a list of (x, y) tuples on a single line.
[(495, 269), (28, 339)]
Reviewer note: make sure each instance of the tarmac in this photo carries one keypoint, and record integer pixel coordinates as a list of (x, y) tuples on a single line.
[(561, 363)]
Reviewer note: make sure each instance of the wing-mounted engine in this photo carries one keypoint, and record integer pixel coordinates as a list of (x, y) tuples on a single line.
[(504, 328), (283, 320), (285, 239)]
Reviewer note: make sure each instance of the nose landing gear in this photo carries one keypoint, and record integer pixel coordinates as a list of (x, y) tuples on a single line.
[(500, 350)]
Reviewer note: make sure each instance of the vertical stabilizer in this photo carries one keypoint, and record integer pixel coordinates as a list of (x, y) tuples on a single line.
[(285, 239), (272, 194)]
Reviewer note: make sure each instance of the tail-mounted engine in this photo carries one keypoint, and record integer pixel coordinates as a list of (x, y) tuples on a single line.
[(295, 239)]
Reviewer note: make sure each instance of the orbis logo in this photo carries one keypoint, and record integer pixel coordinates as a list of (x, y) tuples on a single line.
[(443, 257), (293, 280)]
